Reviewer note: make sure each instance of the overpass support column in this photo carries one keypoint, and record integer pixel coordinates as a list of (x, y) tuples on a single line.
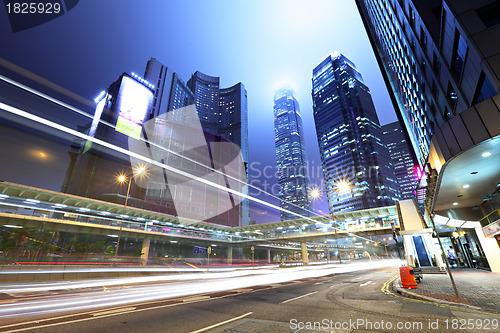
[(268, 256), (229, 255), (305, 255), (145, 250)]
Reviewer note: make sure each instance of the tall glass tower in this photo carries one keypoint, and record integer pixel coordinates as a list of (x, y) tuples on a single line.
[(223, 111), (356, 164), (291, 158)]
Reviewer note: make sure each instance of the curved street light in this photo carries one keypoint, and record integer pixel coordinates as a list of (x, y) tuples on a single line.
[(140, 171)]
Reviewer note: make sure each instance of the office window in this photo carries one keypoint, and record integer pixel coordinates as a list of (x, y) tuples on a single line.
[(436, 65), (458, 55)]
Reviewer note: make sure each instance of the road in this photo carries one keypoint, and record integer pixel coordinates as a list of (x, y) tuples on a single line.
[(346, 302)]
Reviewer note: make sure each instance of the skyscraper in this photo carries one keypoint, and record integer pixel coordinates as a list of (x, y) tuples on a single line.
[(440, 62), (291, 158), (435, 59), (356, 164), (223, 111), (401, 157), (156, 74)]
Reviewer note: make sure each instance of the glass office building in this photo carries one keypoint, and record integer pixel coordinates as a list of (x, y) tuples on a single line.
[(431, 62), (291, 158), (356, 164), (223, 111), (404, 166)]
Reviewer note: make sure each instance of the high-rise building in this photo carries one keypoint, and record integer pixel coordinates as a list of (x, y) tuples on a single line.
[(405, 168), (223, 111), (156, 74), (356, 164), (440, 62), (93, 168), (430, 57), (291, 158)]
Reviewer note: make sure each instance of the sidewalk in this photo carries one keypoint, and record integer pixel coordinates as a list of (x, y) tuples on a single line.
[(477, 289)]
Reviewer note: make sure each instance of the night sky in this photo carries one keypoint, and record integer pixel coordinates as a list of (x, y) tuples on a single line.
[(263, 44)]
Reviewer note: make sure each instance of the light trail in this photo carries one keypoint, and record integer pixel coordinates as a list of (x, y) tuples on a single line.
[(177, 286), (49, 123)]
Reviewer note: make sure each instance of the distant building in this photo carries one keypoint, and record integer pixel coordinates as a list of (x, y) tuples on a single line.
[(291, 158), (156, 74), (223, 111), (356, 164), (401, 157)]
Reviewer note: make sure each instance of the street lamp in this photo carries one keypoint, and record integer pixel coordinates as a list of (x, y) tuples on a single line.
[(341, 187), (140, 171)]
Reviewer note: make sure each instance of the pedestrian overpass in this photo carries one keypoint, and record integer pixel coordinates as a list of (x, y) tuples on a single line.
[(25, 206)]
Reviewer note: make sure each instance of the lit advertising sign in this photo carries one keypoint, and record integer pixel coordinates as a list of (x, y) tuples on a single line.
[(133, 102), (97, 117)]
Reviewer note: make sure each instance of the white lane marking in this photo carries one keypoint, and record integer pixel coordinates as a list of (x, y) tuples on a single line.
[(293, 299), (367, 283), (113, 311), (320, 282), (222, 323)]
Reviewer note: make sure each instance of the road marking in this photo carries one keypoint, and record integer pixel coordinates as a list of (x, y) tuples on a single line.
[(191, 265), (293, 299), (113, 311), (385, 289), (194, 299), (367, 283), (222, 323), (320, 282)]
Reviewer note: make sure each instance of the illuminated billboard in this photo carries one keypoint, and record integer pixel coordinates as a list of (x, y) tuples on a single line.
[(133, 102), (97, 117)]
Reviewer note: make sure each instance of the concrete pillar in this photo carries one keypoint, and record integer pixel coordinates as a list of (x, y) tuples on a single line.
[(268, 256), (305, 255), (145, 250), (490, 249), (229, 255)]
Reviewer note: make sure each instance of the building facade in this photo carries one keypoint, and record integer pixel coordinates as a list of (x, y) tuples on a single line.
[(431, 61), (223, 111), (356, 164), (404, 166), (291, 158), (440, 62)]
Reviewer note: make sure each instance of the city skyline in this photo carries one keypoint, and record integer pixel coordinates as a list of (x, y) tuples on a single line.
[(240, 59)]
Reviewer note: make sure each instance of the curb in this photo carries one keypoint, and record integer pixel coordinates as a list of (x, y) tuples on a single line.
[(398, 288)]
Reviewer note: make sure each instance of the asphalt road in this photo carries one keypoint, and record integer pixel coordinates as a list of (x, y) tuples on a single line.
[(349, 302)]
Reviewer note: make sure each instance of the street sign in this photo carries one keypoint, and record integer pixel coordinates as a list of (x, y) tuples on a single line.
[(252, 248), (209, 250), (198, 250)]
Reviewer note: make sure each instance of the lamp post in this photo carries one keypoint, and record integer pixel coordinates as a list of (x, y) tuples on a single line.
[(122, 178), (342, 187)]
